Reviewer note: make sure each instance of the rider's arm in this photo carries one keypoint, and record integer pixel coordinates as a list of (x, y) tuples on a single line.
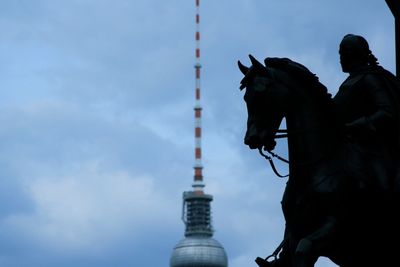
[(382, 110)]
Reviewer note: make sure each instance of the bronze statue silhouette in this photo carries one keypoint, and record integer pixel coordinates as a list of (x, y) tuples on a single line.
[(341, 198)]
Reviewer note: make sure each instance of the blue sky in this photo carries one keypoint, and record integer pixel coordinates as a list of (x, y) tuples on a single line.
[(96, 113)]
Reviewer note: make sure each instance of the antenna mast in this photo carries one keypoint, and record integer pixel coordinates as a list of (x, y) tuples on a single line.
[(198, 167)]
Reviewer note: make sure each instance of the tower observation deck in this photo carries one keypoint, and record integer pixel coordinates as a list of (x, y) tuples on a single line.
[(198, 248)]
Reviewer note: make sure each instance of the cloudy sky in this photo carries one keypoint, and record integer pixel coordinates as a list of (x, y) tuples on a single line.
[(96, 114)]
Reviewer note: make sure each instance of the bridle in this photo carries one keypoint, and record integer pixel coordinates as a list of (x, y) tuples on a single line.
[(274, 155)]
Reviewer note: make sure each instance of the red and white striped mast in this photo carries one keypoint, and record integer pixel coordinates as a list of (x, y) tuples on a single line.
[(198, 167)]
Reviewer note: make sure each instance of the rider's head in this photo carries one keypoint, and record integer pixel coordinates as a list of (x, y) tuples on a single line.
[(355, 53)]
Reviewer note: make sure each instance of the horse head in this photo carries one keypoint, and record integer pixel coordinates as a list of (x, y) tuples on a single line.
[(264, 101)]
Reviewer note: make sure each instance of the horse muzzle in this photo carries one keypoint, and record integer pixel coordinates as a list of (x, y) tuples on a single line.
[(252, 141), (255, 140)]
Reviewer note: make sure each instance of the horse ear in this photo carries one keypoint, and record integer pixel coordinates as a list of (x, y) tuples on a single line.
[(256, 63), (243, 68)]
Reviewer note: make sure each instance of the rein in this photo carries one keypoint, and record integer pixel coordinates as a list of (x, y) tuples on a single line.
[(271, 162), (269, 158)]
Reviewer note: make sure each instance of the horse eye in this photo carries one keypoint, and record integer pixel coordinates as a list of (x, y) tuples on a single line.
[(261, 83)]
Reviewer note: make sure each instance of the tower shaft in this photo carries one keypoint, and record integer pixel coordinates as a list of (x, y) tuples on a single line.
[(196, 212), (198, 166)]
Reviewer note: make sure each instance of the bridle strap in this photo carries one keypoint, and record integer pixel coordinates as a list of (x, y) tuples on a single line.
[(278, 136), (283, 135)]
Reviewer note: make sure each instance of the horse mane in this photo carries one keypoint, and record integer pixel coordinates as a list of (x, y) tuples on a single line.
[(303, 74)]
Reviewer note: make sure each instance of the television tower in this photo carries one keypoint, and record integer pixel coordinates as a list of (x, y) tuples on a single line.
[(198, 248)]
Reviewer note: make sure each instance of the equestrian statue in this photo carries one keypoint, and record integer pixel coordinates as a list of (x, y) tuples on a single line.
[(342, 193)]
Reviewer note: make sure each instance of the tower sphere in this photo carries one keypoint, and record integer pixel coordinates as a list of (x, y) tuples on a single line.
[(198, 252)]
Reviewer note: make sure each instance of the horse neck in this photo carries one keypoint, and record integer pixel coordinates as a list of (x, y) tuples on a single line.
[(311, 132)]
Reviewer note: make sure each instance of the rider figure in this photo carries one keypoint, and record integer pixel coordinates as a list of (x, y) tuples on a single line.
[(367, 105)]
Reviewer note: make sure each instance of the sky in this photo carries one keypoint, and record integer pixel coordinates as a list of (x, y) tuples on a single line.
[(96, 114)]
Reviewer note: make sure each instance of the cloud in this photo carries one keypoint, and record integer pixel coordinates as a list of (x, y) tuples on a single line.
[(88, 211)]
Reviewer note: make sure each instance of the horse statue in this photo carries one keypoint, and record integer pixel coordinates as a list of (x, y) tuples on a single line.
[(324, 213)]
